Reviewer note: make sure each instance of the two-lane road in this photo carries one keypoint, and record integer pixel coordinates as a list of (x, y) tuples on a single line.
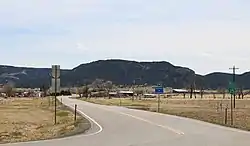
[(118, 126)]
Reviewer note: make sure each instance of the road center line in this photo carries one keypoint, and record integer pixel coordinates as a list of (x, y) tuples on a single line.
[(147, 121)]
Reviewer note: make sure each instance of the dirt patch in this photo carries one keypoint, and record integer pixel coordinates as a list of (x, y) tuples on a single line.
[(24, 119)]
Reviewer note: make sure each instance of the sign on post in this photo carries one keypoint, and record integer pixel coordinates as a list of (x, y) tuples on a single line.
[(55, 85), (55, 82), (55, 71), (159, 90), (231, 88)]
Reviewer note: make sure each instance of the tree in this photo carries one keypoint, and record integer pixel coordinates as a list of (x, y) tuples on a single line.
[(191, 91), (98, 84), (202, 92), (44, 89), (85, 91), (241, 93), (108, 86), (139, 92), (80, 91), (8, 90)]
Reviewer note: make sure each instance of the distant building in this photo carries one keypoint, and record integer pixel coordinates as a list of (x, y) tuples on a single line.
[(150, 95), (121, 93), (126, 93), (180, 91)]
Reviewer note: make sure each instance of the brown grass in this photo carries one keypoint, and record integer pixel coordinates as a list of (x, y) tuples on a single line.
[(208, 109), (24, 119)]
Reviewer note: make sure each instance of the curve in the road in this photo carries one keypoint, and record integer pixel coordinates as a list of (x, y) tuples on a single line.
[(147, 121), (91, 121), (118, 126)]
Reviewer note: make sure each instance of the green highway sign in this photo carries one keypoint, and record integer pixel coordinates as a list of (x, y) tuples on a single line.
[(231, 88)]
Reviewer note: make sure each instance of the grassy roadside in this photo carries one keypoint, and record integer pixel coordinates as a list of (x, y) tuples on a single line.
[(24, 119), (208, 110)]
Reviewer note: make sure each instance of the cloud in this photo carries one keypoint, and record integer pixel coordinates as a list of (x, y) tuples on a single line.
[(185, 32)]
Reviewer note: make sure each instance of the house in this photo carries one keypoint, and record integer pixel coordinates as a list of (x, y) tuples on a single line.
[(113, 94), (180, 91), (126, 93), (121, 94), (150, 95)]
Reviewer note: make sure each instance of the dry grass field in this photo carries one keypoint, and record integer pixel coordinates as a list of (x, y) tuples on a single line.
[(207, 109), (24, 119)]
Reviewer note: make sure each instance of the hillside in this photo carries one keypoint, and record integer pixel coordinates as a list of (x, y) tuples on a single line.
[(125, 72), (121, 72), (26, 77)]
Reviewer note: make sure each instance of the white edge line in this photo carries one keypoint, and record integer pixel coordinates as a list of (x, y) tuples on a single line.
[(64, 138), (91, 119)]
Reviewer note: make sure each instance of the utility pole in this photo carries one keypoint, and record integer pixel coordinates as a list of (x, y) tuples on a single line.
[(234, 68), (232, 109)]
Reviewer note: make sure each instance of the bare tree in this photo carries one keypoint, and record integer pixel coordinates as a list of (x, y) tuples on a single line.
[(242, 92), (8, 90), (98, 84), (108, 86), (191, 91), (139, 92), (80, 91), (85, 91), (202, 92), (44, 89)]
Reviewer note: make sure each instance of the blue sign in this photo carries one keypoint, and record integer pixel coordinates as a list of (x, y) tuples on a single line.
[(159, 90)]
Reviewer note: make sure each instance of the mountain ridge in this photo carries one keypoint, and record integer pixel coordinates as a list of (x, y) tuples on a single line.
[(122, 72)]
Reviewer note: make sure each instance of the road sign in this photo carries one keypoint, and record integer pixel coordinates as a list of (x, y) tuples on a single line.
[(55, 82), (159, 90), (55, 71), (231, 88)]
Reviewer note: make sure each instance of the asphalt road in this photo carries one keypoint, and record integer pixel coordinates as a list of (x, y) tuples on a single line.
[(118, 126)]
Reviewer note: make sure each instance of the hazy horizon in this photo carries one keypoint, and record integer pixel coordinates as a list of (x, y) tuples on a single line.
[(205, 36)]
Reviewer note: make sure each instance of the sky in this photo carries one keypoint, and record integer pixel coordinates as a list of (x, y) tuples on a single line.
[(204, 35)]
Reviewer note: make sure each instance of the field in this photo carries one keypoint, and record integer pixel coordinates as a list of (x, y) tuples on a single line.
[(207, 109), (24, 119)]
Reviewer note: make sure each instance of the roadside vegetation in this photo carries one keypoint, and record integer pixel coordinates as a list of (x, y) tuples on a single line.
[(28, 119)]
